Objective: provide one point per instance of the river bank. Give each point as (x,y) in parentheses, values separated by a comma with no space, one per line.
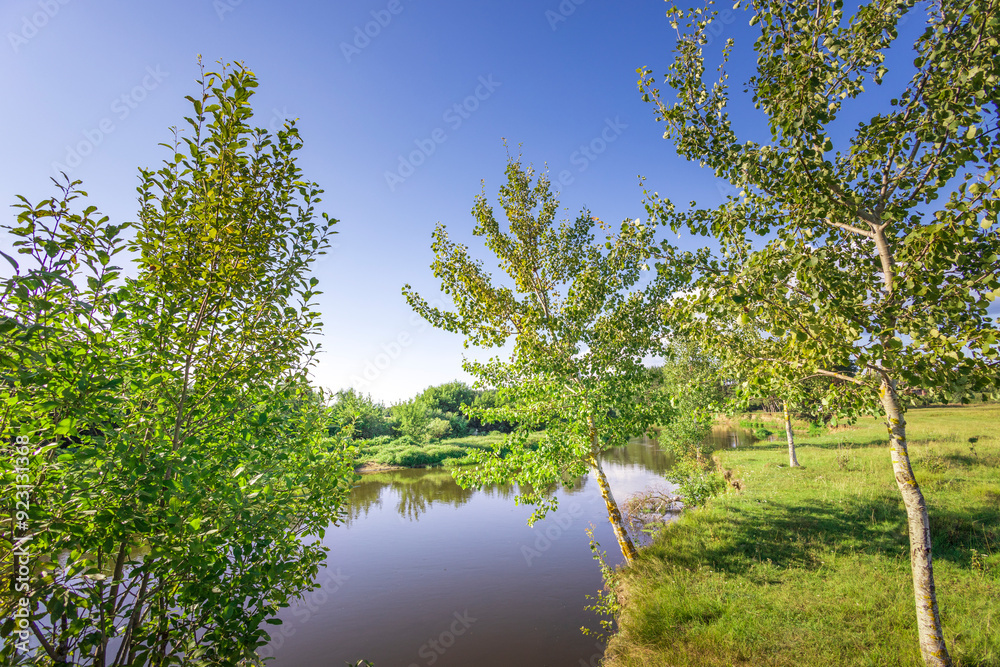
(810,566)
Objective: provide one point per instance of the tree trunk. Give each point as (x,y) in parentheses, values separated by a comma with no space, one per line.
(790,436)
(932,645)
(614,514)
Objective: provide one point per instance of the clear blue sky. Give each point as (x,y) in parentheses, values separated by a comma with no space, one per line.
(112,76)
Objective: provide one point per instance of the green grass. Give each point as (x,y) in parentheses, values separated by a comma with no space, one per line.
(810,566)
(408,453)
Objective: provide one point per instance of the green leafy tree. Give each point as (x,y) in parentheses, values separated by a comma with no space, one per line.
(412,418)
(450,402)
(357,416)
(449,397)
(741,357)
(578,326)
(174,450)
(438,429)
(694,384)
(875,248)
(483,404)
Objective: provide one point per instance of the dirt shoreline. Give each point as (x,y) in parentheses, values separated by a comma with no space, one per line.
(370,466)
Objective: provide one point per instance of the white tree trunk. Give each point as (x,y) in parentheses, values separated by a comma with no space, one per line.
(790,436)
(614,514)
(932,645)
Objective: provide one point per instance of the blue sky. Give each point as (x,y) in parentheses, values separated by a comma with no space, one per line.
(94,85)
(112,76)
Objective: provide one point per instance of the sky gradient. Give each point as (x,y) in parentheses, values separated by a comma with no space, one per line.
(403,106)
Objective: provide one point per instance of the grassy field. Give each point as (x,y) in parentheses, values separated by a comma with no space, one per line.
(810,566)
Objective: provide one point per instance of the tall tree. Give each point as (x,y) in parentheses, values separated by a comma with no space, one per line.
(579,329)
(171,443)
(881,252)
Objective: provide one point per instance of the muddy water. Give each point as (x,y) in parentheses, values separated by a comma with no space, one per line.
(426,573)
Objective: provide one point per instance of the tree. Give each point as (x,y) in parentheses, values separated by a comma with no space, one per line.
(579,330)
(694,383)
(411,419)
(848,256)
(170,442)
(357,416)
(448,402)
(448,397)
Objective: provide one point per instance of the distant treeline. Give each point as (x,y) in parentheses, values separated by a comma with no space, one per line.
(434,414)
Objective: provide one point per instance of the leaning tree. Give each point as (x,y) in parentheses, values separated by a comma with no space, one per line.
(873,247)
(578,325)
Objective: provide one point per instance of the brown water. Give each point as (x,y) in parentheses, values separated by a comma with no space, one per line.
(427,573)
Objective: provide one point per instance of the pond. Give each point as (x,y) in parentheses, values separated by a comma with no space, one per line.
(427,573)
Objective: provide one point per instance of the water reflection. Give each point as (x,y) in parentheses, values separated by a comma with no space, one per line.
(419,554)
(724,437)
(414,492)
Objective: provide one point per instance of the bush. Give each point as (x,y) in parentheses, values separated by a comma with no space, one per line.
(407,452)
(438,428)
(695,483)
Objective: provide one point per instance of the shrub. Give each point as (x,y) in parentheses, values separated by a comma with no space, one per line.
(438,428)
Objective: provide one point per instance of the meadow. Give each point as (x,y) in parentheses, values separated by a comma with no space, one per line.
(810,566)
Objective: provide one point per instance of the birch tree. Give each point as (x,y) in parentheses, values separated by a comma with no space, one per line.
(579,326)
(876,247)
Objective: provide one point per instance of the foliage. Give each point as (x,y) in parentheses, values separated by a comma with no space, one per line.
(411,419)
(438,429)
(802,568)
(845,257)
(449,397)
(578,330)
(861,267)
(693,382)
(485,404)
(357,416)
(696,481)
(177,474)
(606,601)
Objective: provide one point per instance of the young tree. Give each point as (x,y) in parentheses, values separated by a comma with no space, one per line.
(579,329)
(694,383)
(358,416)
(411,419)
(881,253)
(172,443)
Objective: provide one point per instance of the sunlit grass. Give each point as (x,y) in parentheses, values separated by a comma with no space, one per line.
(810,566)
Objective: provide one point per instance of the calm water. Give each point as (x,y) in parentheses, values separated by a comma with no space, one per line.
(426,573)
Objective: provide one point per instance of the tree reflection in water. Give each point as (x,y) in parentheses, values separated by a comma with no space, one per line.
(418,489)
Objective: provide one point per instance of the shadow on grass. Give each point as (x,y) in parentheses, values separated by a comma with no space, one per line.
(854,443)
(800,535)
